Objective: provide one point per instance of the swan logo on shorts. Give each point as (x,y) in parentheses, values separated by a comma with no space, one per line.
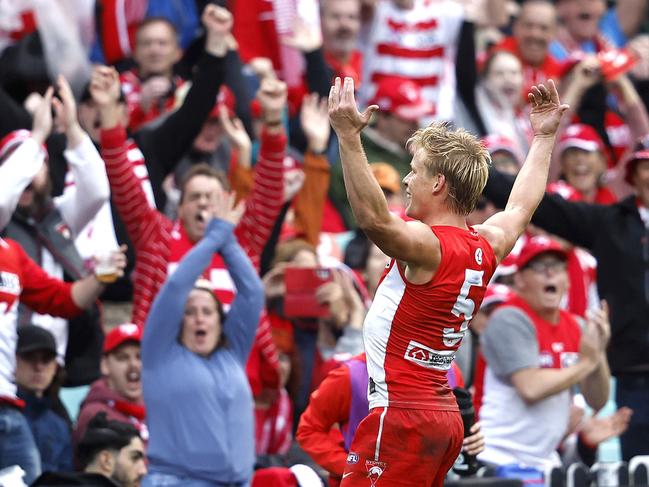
(427,357)
(374,470)
(478,255)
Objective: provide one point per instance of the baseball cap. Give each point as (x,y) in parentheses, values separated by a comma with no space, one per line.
(581,136)
(496,143)
(536,246)
(402,97)
(32,338)
(122,333)
(387,176)
(496,294)
(640,152)
(225,97)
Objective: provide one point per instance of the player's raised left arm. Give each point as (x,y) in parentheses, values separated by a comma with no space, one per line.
(529,187)
(412,242)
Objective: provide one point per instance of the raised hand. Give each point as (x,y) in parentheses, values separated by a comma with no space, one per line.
(218,24)
(66,113)
(315,122)
(104,86)
(304,37)
(344,116)
(546,110)
(42,122)
(272,97)
(599,318)
(237,135)
(262,67)
(152,89)
(226,208)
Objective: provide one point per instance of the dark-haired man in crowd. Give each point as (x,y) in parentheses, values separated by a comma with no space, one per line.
(111,453)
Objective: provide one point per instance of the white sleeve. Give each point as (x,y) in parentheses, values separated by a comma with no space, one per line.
(16,173)
(80,204)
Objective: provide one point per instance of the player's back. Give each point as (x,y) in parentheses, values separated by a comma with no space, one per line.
(412,331)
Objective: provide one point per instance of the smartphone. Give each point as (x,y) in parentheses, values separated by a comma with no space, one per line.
(301,285)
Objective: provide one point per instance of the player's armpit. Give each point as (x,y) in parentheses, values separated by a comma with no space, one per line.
(502,240)
(412,242)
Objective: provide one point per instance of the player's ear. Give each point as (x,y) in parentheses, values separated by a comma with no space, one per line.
(439,181)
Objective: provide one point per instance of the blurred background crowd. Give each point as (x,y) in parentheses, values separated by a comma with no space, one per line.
(124,125)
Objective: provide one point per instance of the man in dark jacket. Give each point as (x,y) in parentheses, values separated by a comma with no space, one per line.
(36,370)
(618,236)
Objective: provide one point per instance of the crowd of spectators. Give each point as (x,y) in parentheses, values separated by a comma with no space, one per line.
(175,234)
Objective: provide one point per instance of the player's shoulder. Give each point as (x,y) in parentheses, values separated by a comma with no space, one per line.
(495,236)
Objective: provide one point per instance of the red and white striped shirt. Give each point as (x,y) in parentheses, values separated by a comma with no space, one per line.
(419,44)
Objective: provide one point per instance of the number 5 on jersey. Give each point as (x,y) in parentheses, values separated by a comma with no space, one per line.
(463,306)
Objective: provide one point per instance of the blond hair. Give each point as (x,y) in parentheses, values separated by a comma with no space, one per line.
(460,157)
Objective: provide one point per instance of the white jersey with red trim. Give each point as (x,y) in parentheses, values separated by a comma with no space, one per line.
(419,44)
(412,331)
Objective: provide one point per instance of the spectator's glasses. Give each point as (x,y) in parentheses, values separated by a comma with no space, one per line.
(543,266)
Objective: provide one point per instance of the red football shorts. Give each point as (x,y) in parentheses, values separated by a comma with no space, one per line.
(396,447)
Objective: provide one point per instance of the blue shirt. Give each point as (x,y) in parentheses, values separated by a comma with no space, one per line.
(200,409)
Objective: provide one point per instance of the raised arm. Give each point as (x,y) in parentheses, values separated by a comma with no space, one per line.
(129,197)
(504,228)
(265,202)
(412,242)
(166,314)
(174,136)
(18,170)
(310,201)
(91,191)
(241,323)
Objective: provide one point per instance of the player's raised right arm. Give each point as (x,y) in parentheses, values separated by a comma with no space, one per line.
(412,242)
(529,187)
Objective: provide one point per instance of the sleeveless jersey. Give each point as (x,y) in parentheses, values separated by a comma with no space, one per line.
(412,331)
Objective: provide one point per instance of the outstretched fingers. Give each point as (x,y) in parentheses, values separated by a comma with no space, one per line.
(554,94)
(334,95)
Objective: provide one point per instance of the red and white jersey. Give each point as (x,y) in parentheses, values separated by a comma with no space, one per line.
(22,280)
(419,44)
(412,331)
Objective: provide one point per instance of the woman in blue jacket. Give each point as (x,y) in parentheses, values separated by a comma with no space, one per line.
(199,404)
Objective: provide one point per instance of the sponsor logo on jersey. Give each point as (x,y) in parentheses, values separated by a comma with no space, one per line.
(372,386)
(352,458)
(568,359)
(427,357)
(546,361)
(9,283)
(374,470)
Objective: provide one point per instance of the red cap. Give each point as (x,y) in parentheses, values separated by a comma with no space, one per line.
(536,246)
(494,143)
(274,477)
(581,136)
(225,97)
(123,333)
(640,152)
(496,294)
(12,140)
(402,97)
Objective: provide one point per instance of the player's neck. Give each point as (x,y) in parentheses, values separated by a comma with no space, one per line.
(446,218)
